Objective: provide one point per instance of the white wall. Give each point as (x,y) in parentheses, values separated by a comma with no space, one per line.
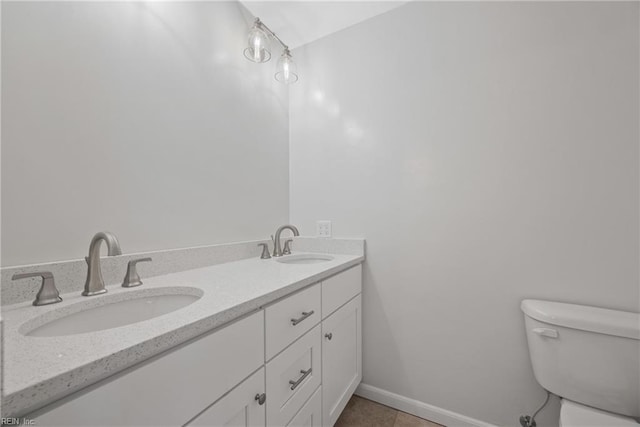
(488,152)
(140,118)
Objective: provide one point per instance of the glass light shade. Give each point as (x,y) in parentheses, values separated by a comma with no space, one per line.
(258,48)
(286,71)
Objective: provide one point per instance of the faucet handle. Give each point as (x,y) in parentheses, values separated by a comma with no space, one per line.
(265,251)
(287,247)
(48,293)
(131,278)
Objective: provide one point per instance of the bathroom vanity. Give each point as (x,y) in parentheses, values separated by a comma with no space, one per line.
(266,343)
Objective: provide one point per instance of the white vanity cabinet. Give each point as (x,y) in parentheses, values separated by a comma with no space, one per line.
(332,350)
(295,362)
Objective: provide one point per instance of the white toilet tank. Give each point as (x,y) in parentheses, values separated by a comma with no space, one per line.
(586,354)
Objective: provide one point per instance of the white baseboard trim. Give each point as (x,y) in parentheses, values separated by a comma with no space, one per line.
(417,408)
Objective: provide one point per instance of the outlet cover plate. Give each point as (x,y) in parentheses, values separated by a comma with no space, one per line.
(323,228)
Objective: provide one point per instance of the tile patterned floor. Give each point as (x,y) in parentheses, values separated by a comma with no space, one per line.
(365,413)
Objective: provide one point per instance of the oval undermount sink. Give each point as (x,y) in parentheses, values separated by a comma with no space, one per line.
(305,259)
(111,311)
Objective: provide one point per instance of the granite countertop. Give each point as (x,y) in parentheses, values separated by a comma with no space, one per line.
(40,370)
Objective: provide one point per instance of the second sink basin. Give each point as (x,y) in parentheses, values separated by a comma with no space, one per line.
(111,311)
(305,259)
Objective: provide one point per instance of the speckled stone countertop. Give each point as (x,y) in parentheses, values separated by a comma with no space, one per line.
(40,370)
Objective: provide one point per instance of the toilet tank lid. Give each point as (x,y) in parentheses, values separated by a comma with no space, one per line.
(593,319)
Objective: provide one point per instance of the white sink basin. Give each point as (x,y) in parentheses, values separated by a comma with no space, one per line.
(304,259)
(111,311)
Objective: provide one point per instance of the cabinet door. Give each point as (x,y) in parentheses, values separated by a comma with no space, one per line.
(341,359)
(238,408)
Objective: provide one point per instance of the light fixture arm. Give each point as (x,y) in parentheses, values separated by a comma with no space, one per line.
(258,23)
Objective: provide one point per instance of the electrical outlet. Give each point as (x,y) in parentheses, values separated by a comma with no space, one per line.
(323,228)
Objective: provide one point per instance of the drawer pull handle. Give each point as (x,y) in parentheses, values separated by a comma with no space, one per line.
(305,314)
(295,384)
(261,398)
(328,336)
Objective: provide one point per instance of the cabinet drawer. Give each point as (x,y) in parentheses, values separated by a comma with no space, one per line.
(339,289)
(171,388)
(292,377)
(311,413)
(290,318)
(238,408)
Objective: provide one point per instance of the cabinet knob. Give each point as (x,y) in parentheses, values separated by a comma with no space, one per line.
(328,336)
(261,398)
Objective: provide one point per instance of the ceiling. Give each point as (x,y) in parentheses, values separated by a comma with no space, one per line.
(303,21)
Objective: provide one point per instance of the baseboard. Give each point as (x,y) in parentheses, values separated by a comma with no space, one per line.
(417,408)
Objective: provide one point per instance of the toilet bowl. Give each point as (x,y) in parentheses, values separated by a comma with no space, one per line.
(588,356)
(576,415)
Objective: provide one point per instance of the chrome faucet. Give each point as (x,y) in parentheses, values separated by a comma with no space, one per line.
(277,250)
(95,283)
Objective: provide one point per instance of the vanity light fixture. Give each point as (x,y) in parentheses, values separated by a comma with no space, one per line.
(258,51)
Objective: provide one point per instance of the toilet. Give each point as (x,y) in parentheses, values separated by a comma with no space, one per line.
(588,356)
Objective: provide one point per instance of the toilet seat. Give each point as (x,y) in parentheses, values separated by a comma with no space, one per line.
(576,415)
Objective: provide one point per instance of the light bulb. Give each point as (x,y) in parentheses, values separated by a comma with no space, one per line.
(286,69)
(258,42)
